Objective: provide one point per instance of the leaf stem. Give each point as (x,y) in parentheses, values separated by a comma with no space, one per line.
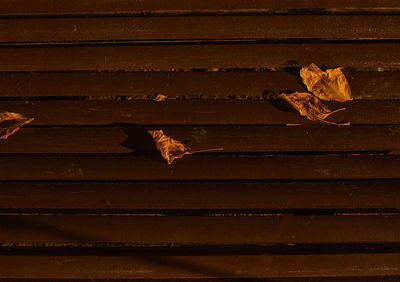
(203,151)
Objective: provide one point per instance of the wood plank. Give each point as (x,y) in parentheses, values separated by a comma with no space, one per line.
(192,266)
(89,230)
(205,85)
(54,7)
(193,112)
(117,140)
(195,27)
(201,195)
(199,167)
(365,55)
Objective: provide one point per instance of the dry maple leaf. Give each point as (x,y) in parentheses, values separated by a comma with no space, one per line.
(309,106)
(10,123)
(172,149)
(160,97)
(326,85)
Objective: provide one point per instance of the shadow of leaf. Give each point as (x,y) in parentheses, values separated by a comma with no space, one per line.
(140,142)
(138,139)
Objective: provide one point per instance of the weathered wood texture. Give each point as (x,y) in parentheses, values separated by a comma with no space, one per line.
(81,230)
(116,140)
(201,167)
(205,85)
(195,28)
(192,266)
(206,196)
(54,7)
(368,55)
(194,112)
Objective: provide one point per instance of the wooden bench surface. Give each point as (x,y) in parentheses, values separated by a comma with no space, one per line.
(84,194)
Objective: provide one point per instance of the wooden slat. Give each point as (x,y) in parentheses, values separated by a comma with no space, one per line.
(54,7)
(204,56)
(200,167)
(195,112)
(192,266)
(79,230)
(195,27)
(201,195)
(207,85)
(232,139)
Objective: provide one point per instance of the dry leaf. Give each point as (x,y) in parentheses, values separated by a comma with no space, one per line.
(328,85)
(309,106)
(160,97)
(10,123)
(172,149)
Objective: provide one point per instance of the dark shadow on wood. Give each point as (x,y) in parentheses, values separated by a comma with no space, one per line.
(138,139)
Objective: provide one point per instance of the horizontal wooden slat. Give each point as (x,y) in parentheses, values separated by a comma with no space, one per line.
(54,7)
(79,230)
(192,266)
(201,195)
(217,84)
(200,167)
(195,112)
(204,56)
(195,27)
(232,139)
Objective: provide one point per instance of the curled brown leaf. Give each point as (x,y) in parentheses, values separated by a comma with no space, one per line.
(326,85)
(172,149)
(160,97)
(308,105)
(11,122)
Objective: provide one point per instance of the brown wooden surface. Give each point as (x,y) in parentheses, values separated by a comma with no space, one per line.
(189,195)
(194,112)
(369,55)
(195,27)
(205,85)
(192,266)
(200,166)
(54,7)
(85,195)
(116,140)
(82,230)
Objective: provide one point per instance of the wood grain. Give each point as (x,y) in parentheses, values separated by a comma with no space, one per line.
(193,112)
(195,266)
(54,7)
(195,27)
(81,230)
(194,195)
(199,167)
(199,56)
(204,85)
(116,140)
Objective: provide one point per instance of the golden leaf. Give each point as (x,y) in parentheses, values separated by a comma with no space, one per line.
(172,149)
(160,97)
(10,123)
(328,85)
(309,106)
